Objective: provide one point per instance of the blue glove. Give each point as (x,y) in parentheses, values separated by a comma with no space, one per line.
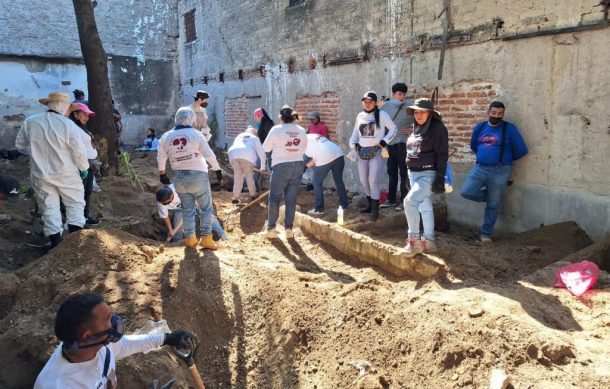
(84,174)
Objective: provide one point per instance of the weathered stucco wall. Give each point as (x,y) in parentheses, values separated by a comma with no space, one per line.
(139,37)
(554,85)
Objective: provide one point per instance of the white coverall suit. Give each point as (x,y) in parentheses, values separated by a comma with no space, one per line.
(57,153)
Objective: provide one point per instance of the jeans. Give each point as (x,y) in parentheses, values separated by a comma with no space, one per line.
(397,163)
(179,236)
(194,186)
(320,173)
(370,175)
(486,184)
(285,180)
(419,200)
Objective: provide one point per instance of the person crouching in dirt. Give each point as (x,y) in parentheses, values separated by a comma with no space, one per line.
(169,200)
(368,138)
(287,143)
(80,117)
(427,155)
(58,164)
(92,341)
(186,149)
(9,191)
(243,153)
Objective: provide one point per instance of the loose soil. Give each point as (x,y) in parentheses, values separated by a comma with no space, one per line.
(297,313)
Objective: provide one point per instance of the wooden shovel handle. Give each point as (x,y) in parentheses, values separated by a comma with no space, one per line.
(196,377)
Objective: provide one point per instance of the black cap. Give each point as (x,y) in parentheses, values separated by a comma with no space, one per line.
(9,186)
(201,94)
(420,104)
(163,194)
(370,95)
(78,92)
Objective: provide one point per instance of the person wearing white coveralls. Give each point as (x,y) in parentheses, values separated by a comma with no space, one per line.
(57,155)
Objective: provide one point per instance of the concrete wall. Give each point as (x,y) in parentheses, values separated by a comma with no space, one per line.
(554,86)
(40,49)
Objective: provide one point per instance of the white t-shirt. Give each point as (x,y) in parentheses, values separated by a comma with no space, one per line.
(322,150)
(90,151)
(186,149)
(58,373)
(175,204)
(287,142)
(367,134)
(247,146)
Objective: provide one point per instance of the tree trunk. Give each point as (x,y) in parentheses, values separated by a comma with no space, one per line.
(100,96)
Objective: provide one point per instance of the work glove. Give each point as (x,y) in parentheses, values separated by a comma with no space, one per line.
(84,174)
(164,179)
(219,175)
(438,186)
(357,147)
(382,143)
(178,338)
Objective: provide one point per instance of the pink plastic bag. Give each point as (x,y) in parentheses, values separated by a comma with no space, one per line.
(577,277)
(383,196)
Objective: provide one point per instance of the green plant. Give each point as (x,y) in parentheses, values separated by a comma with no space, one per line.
(126,168)
(213,124)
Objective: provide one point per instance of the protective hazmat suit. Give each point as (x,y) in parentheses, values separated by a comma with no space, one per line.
(57,154)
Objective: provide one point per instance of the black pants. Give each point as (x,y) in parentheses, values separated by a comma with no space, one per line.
(88,184)
(397,163)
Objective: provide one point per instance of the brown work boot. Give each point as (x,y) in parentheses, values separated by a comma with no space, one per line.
(190,241)
(207,242)
(413,247)
(429,246)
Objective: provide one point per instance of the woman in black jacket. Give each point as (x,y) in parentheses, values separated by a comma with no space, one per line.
(427,155)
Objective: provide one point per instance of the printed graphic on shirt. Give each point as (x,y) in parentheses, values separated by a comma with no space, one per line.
(488,141)
(414,146)
(367,129)
(180,151)
(321,139)
(291,143)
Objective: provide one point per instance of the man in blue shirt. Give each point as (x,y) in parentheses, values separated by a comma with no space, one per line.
(497,144)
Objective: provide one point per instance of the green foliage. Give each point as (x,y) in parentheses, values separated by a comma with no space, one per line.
(126,168)
(213,124)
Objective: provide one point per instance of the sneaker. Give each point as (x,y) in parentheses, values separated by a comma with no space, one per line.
(485,239)
(429,246)
(400,207)
(271,233)
(414,246)
(386,204)
(288,233)
(92,222)
(313,212)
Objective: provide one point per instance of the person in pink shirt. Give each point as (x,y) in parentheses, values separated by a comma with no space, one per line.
(316,126)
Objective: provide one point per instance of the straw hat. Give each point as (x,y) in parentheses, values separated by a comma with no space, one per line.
(61,97)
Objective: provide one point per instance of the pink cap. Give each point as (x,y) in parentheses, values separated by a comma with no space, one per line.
(258,112)
(84,108)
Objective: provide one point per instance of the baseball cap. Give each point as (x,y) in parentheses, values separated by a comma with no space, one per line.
(313,115)
(201,94)
(370,95)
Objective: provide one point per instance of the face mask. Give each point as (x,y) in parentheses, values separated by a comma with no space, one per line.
(494,121)
(204,105)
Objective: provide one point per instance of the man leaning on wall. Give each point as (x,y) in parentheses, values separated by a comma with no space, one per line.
(496,143)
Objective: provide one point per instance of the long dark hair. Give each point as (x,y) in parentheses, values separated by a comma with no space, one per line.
(79,124)
(152,133)
(265,126)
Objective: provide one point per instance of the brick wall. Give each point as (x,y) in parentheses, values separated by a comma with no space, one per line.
(463,105)
(327,104)
(236,115)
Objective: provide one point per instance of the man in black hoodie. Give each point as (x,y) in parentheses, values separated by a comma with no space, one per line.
(427,156)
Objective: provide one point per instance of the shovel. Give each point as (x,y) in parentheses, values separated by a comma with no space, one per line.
(188,356)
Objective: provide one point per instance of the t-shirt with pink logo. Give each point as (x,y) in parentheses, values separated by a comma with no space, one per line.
(186,149)
(286,142)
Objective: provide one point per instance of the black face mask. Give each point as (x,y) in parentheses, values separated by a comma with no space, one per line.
(204,105)
(494,121)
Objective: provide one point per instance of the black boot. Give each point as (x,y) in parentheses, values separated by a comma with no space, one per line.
(73,228)
(367,207)
(374,210)
(55,239)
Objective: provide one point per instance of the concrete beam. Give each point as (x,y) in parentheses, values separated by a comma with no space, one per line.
(365,249)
